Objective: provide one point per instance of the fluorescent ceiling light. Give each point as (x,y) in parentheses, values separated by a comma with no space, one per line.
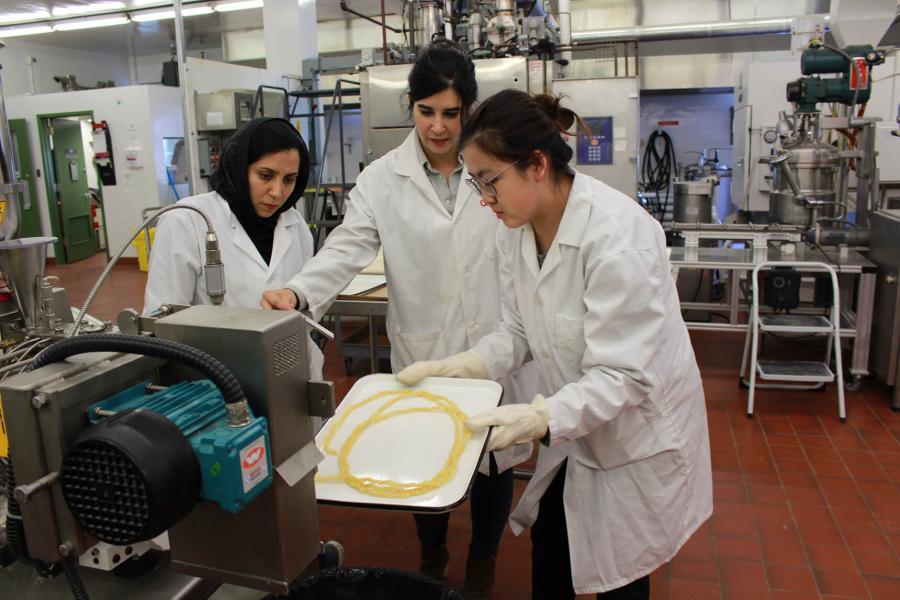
(153,16)
(19,31)
(197,10)
(86,9)
(24,16)
(150,2)
(244,5)
(90,23)
(162,15)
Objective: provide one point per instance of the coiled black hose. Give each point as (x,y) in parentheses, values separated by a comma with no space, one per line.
(147,346)
(657,168)
(70,571)
(15,531)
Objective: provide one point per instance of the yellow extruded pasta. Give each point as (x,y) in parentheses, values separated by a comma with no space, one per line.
(387,488)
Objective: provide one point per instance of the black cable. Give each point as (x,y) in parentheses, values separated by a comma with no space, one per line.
(658,168)
(699,286)
(825,254)
(70,571)
(177,352)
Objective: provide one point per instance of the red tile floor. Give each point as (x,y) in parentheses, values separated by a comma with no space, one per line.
(805,506)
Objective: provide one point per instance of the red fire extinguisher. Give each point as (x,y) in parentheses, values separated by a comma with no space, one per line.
(95,216)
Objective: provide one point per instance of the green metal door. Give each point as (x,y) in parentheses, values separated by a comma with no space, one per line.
(30,219)
(73,201)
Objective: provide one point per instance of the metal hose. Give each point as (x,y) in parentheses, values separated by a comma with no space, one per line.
(106,271)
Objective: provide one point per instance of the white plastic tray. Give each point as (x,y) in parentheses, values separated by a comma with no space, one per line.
(407,448)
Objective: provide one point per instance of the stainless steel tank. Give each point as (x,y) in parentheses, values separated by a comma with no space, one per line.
(429,22)
(814,166)
(694,201)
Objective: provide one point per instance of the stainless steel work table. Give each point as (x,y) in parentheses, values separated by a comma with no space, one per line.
(373,307)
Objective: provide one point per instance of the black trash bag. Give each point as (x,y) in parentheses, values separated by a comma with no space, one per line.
(370,584)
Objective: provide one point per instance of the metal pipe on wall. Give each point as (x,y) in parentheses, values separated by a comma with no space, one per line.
(648,33)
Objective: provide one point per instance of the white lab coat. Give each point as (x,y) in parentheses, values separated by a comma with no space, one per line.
(179,251)
(626,406)
(441,269)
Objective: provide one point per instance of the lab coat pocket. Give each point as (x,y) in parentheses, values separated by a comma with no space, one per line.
(413,347)
(637,433)
(569,343)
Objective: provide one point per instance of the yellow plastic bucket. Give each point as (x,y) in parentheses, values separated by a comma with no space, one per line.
(140,244)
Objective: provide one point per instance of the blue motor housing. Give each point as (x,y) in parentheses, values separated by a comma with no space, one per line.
(235,462)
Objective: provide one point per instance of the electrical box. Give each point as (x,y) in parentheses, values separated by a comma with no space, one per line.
(610,153)
(227,110)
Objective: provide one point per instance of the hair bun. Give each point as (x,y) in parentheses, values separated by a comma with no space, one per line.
(561,116)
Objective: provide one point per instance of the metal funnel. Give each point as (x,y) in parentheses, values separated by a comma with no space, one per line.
(22,261)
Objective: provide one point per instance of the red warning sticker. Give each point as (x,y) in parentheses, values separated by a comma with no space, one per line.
(254,466)
(862,81)
(253,458)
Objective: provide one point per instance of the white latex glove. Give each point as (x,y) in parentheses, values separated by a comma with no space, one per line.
(513,423)
(466,365)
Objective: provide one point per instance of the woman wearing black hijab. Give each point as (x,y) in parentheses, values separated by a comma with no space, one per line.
(263,238)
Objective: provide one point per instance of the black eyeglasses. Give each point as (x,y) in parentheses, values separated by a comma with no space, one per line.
(486,186)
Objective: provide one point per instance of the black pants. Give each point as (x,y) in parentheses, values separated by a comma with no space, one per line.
(491,500)
(551,568)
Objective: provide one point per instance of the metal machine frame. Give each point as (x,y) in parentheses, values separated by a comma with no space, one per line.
(46,410)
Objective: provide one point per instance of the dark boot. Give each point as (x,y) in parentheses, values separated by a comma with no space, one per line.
(435,562)
(332,555)
(479,577)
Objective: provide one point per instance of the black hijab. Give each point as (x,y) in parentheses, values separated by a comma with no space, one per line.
(248,144)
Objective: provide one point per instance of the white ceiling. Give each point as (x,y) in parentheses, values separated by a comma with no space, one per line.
(201,32)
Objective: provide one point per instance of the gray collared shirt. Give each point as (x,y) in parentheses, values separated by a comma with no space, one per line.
(446,189)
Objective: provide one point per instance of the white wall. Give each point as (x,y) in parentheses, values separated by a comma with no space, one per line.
(137,116)
(355,34)
(88,67)
(148,67)
(332,36)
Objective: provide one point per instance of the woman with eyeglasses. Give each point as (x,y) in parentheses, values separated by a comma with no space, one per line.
(623,476)
(442,279)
